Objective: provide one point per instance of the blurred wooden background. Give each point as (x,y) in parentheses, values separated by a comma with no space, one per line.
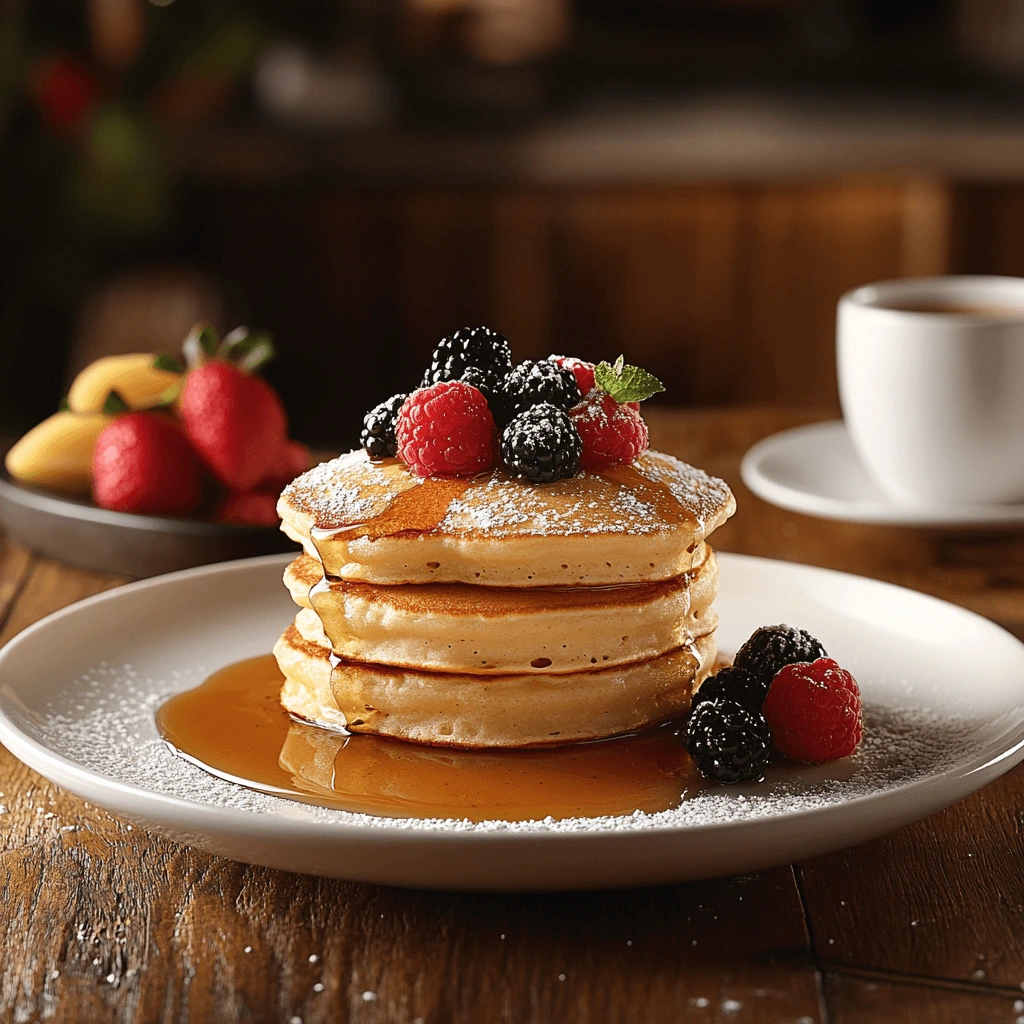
(727,291)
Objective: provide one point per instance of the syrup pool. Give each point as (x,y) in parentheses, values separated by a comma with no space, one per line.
(233,726)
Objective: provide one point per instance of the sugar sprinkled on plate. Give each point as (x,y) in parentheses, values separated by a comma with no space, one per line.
(116,737)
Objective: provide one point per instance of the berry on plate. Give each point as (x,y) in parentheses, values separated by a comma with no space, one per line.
(292,459)
(447,430)
(378,436)
(611,433)
(143,463)
(235,420)
(732,683)
(248,508)
(541,445)
(728,742)
(814,710)
(771,648)
(469,346)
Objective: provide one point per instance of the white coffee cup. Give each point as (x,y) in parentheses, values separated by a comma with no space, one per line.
(934,400)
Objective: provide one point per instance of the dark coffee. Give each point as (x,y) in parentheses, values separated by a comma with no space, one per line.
(980,310)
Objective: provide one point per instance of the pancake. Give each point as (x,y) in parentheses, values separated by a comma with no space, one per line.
(487,630)
(376,522)
(451,709)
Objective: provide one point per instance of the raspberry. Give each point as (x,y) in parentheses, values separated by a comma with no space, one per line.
(771,648)
(732,683)
(581,370)
(541,445)
(378,436)
(532,383)
(728,742)
(612,433)
(447,430)
(469,346)
(814,711)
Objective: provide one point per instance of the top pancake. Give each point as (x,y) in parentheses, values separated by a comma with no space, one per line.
(379,523)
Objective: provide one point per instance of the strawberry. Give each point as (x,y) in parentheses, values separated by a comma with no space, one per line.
(235,420)
(143,463)
(293,459)
(248,508)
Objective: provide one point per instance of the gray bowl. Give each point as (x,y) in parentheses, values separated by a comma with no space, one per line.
(76,531)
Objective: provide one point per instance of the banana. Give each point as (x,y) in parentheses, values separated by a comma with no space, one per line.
(141,379)
(57,453)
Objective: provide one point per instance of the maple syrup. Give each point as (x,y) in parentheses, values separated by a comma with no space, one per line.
(233,726)
(418,509)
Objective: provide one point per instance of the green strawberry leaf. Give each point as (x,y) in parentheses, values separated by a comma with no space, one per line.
(259,350)
(626,383)
(200,345)
(208,339)
(248,350)
(169,363)
(115,404)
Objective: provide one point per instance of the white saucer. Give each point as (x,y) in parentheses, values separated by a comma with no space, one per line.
(78,691)
(815,470)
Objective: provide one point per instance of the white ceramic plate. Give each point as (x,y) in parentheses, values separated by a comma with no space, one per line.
(815,470)
(943,690)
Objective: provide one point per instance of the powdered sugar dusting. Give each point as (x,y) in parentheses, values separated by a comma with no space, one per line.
(104,722)
(349,489)
(353,489)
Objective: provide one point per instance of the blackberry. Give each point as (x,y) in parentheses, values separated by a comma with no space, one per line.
(541,444)
(532,383)
(469,346)
(771,648)
(728,742)
(378,436)
(735,684)
(488,384)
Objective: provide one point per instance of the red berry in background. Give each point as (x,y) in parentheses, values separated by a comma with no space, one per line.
(143,463)
(447,430)
(292,459)
(236,424)
(248,508)
(612,434)
(65,89)
(815,712)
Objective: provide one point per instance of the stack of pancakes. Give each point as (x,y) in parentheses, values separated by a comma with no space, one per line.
(497,613)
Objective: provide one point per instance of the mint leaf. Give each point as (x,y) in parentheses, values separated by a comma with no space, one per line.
(115,404)
(626,383)
(169,363)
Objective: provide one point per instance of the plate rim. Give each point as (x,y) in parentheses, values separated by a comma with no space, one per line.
(40,499)
(879,513)
(44,760)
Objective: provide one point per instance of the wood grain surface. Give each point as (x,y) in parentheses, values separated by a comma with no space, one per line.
(101,922)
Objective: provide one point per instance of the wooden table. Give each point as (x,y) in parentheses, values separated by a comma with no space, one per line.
(99,922)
